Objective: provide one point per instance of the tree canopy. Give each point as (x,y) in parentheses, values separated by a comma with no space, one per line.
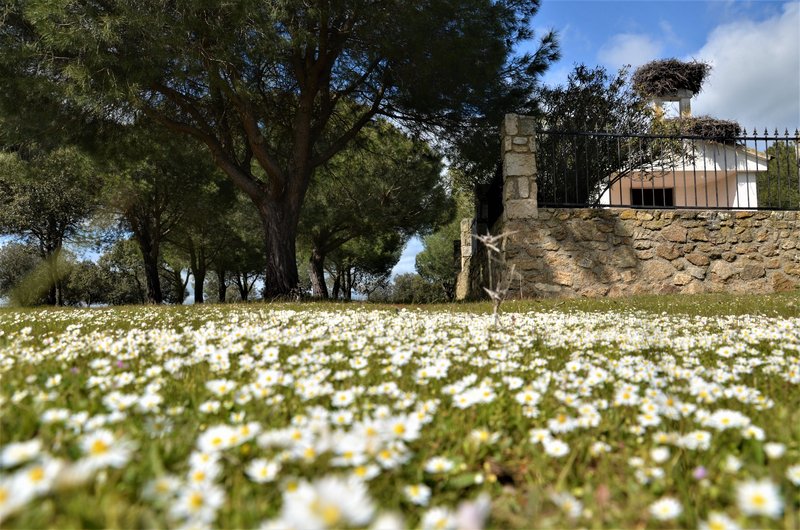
(273,90)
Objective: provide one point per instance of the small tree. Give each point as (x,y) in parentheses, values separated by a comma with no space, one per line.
(779,186)
(436,263)
(45,197)
(385,184)
(575,167)
(17,261)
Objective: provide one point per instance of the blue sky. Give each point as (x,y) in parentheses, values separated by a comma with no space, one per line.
(753,47)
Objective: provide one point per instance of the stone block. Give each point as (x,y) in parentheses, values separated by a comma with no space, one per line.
(550,245)
(781,282)
(694,288)
(595,291)
(562,278)
(523,187)
(657,270)
(519,164)
(792,269)
(698,234)
(674,233)
(696,272)
(520,209)
(668,252)
(696,258)
(622,230)
(511,124)
(682,278)
(627,214)
(547,288)
(624,258)
(751,271)
(645,254)
(722,270)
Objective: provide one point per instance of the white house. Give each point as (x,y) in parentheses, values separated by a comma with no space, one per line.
(706,174)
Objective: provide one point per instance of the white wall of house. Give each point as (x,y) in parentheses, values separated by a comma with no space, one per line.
(712,176)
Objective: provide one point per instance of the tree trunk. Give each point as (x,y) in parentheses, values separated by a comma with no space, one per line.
(318,286)
(149,251)
(221,288)
(337,284)
(348,284)
(279,221)
(198,262)
(199,282)
(180,289)
(242,285)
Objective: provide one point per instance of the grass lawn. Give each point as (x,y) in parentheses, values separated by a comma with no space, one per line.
(652,412)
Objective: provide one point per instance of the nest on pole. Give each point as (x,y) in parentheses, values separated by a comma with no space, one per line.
(703,126)
(666,76)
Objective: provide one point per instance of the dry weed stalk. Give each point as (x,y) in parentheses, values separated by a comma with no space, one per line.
(498,288)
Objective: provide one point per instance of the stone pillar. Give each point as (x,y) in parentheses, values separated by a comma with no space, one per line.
(518,140)
(464,277)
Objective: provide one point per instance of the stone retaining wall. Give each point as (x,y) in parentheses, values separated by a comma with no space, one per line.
(617,252)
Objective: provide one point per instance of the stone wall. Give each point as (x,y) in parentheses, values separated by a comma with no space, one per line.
(617,252)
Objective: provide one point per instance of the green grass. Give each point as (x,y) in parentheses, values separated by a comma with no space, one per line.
(667,346)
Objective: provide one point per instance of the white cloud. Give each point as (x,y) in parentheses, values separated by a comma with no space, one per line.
(629,48)
(408,259)
(755,78)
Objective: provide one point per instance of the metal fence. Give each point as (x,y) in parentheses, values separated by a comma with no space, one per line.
(601,169)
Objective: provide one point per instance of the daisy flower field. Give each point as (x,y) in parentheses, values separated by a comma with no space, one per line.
(355,416)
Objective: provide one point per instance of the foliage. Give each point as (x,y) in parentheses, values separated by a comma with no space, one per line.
(45,197)
(410,288)
(17,260)
(384,184)
(364,264)
(779,186)
(153,181)
(436,262)
(88,284)
(664,77)
(123,261)
(573,164)
(266,87)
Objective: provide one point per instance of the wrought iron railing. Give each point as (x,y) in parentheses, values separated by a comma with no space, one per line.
(602,169)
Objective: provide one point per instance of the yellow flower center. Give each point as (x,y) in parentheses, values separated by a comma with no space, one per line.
(399,429)
(329,513)
(759,500)
(98,447)
(3,495)
(196,501)
(36,474)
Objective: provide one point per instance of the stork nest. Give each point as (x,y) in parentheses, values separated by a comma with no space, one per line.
(704,127)
(666,76)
